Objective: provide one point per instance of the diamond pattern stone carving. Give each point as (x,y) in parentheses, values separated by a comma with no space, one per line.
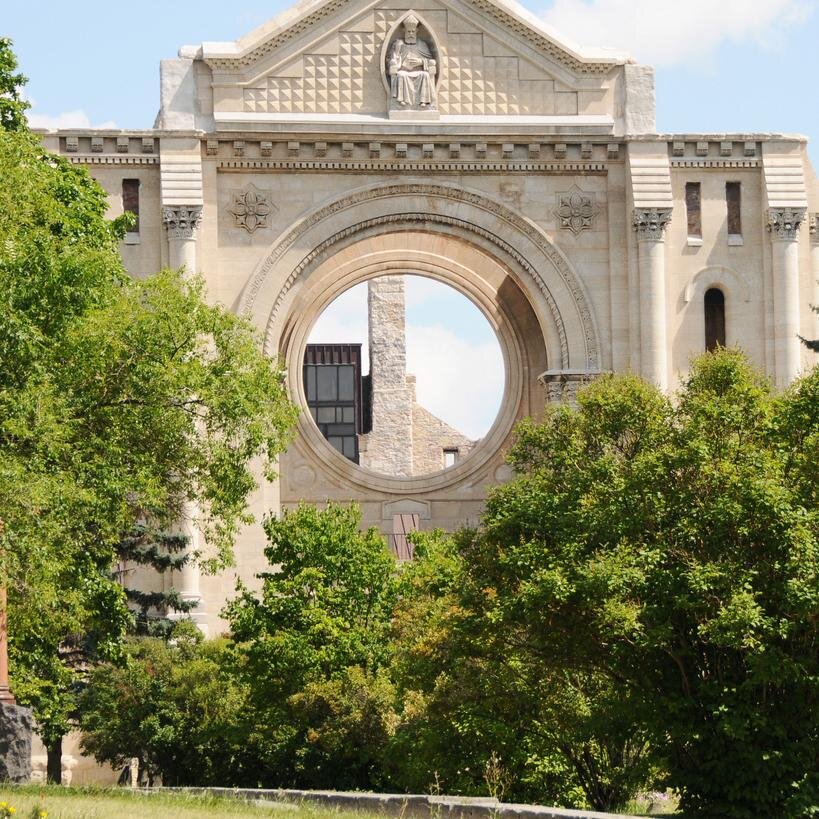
(350,82)
(250,209)
(576,210)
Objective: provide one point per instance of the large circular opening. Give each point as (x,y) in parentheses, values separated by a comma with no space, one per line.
(403,375)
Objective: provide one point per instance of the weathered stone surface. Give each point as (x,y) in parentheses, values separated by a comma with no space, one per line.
(15,743)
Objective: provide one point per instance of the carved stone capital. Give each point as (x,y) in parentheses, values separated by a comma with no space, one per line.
(562,386)
(814,228)
(181,220)
(784,223)
(650,223)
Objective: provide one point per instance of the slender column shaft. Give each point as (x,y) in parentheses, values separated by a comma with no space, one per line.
(784,226)
(182,222)
(814,269)
(650,225)
(187,579)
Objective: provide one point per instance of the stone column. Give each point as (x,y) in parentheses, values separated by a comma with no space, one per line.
(650,225)
(784,224)
(181,222)
(186,580)
(814,271)
(389,444)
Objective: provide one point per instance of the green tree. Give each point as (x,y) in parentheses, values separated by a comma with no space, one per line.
(120,400)
(176,707)
(315,643)
(478,717)
(671,548)
(12,105)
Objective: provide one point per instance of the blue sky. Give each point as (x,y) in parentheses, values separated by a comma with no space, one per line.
(738,65)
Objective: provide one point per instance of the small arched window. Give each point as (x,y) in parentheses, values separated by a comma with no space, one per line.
(714,319)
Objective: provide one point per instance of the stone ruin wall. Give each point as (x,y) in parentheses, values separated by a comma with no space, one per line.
(406,439)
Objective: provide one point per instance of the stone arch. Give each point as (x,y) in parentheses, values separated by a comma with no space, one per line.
(557,294)
(734,285)
(371,257)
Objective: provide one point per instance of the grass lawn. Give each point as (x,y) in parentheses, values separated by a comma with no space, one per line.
(86,803)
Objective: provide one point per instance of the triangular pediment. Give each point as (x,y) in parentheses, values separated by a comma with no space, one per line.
(493,59)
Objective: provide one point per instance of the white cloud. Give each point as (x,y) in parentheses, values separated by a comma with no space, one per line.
(67,119)
(464,386)
(670,32)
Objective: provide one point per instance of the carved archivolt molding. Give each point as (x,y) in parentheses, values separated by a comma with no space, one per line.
(650,223)
(576,210)
(181,220)
(784,223)
(523,226)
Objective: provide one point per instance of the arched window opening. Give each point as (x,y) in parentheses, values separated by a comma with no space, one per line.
(714,319)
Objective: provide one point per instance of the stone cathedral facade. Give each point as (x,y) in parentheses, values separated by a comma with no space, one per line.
(459,140)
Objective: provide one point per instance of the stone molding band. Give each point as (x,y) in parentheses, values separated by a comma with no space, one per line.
(181,221)
(784,223)
(650,223)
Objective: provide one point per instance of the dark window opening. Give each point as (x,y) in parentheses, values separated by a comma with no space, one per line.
(693,208)
(130,200)
(399,544)
(714,319)
(332,384)
(450,456)
(733,199)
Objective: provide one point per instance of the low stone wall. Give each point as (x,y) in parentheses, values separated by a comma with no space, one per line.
(421,806)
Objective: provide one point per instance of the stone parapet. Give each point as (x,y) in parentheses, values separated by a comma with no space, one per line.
(400,804)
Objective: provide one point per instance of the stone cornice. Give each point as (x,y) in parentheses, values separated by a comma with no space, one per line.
(181,221)
(650,223)
(578,64)
(784,223)
(392,167)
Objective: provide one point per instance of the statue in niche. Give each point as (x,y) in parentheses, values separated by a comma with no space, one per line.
(412,67)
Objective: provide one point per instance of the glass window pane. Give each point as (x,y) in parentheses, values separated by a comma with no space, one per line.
(310,378)
(349,446)
(336,443)
(346,383)
(348,415)
(313,412)
(327,383)
(326,415)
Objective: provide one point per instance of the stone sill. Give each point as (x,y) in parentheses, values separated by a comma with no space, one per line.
(694,241)
(735,240)
(131,239)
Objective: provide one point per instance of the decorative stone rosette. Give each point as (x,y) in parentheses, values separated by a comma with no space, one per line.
(250,209)
(576,210)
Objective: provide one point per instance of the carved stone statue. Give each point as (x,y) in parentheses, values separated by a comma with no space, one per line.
(412,68)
